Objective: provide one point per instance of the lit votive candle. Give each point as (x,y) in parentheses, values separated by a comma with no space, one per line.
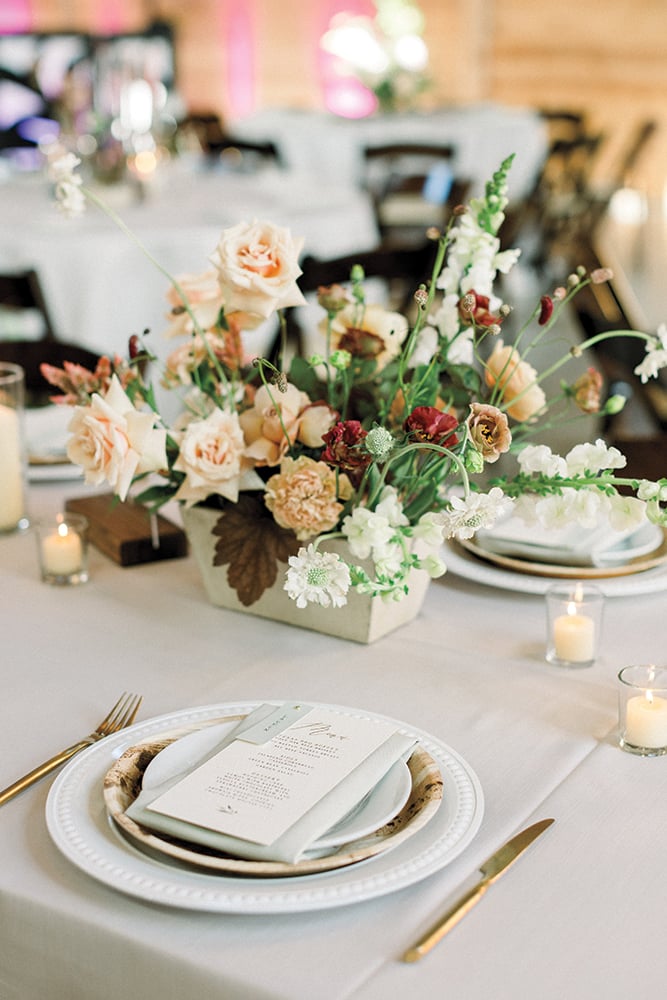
(63,550)
(643,710)
(573,624)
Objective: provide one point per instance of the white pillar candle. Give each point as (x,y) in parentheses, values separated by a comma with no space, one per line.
(62,552)
(646,721)
(11,470)
(574,636)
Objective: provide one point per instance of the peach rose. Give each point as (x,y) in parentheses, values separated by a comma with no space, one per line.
(303,496)
(517,380)
(314,422)
(204,297)
(489,431)
(273,414)
(258,264)
(211,454)
(182,362)
(113,442)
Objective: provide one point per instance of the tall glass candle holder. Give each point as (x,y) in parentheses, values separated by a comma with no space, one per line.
(12,454)
(574,623)
(642,710)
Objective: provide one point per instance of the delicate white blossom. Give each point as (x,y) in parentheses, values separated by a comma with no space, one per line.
(366,531)
(317,577)
(656,355)
(478,510)
(67,184)
(593,458)
(539,459)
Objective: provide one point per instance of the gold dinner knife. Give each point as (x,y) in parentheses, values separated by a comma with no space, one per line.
(492,869)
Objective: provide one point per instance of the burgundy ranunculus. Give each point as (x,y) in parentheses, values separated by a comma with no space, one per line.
(474,308)
(342,449)
(428,424)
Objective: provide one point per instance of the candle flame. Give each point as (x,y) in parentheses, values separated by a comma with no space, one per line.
(62,530)
(572,608)
(649,697)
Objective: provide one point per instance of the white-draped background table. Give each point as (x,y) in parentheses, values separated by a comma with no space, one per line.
(580,916)
(100,288)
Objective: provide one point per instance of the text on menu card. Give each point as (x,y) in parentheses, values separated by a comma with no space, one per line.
(257,791)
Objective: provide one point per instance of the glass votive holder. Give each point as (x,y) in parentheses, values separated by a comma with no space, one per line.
(574,623)
(642,710)
(12,454)
(63,549)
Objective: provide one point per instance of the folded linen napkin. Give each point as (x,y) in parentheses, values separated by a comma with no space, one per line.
(571,545)
(292,844)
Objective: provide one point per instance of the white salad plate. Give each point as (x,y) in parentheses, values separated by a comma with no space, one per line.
(376,808)
(81,829)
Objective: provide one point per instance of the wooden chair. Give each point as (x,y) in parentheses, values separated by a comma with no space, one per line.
(396,273)
(21,295)
(413,187)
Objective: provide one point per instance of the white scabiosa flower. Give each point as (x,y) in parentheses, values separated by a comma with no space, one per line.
(478,510)
(317,578)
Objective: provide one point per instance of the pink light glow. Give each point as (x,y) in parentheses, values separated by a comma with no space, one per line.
(15,16)
(109,18)
(343,96)
(237,33)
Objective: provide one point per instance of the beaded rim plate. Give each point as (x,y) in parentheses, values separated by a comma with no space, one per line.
(80,828)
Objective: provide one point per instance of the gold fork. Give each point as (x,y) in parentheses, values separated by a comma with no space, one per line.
(121,715)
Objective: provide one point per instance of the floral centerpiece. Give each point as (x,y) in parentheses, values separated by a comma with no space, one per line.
(386,439)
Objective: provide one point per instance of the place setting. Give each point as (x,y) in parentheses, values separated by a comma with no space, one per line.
(264,807)
(516,555)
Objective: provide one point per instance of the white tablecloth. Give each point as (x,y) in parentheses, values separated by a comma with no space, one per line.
(101,288)
(331,148)
(580,916)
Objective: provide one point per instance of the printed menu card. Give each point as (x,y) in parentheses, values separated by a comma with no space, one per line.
(261,788)
(276,769)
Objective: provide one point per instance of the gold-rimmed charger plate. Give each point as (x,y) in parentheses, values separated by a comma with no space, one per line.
(636,564)
(122,785)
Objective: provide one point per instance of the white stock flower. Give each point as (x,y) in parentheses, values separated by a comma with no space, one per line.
(626,512)
(428,530)
(433,565)
(583,507)
(366,532)
(113,442)
(317,578)
(539,458)
(425,348)
(390,506)
(477,510)
(593,458)
(67,184)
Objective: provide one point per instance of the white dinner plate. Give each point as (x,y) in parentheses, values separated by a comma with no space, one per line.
(378,807)
(79,826)
(470,567)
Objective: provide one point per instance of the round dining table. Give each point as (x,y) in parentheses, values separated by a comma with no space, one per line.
(99,286)
(580,915)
